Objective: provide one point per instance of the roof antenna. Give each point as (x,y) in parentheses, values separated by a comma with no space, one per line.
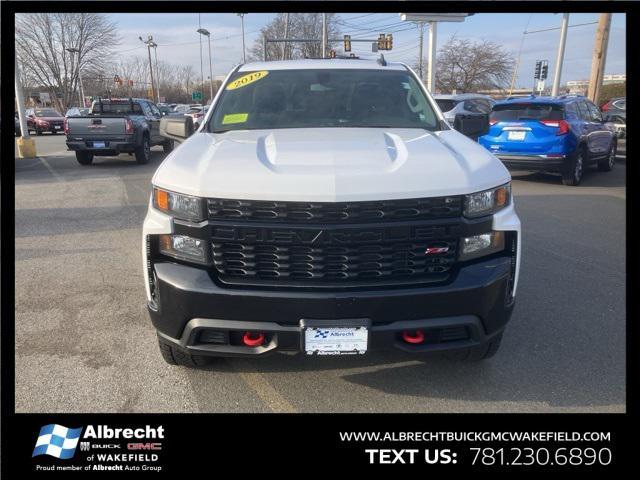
(382,61)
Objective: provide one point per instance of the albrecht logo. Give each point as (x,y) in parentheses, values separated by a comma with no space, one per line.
(57,441)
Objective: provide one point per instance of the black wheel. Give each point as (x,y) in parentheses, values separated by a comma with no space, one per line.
(476,354)
(574,169)
(606,164)
(177,356)
(84,158)
(143,152)
(167,146)
(38,132)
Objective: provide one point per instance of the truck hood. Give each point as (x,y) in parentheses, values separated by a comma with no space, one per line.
(330,165)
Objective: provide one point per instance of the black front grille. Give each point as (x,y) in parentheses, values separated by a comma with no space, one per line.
(339,212)
(327,244)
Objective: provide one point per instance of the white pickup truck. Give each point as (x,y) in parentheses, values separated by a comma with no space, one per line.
(326,207)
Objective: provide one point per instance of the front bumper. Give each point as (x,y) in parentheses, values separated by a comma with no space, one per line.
(464,313)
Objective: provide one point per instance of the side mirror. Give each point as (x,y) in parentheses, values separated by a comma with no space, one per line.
(473,126)
(176,128)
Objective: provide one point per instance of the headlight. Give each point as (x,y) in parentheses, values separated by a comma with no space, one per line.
(481,245)
(183,247)
(487,202)
(181,206)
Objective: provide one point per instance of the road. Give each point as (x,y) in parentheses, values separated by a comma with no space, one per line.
(84,341)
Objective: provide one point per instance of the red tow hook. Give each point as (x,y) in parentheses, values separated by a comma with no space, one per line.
(253,339)
(413,336)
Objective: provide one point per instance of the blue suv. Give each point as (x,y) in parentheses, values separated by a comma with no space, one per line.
(553,134)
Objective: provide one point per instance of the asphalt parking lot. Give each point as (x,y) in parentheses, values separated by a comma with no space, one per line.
(84,341)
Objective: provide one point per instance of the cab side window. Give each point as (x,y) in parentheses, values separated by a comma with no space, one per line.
(583,111)
(146,109)
(595,112)
(154,110)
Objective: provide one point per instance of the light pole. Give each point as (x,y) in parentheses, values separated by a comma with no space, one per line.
(244,57)
(80,89)
(201,72)
(148,43)
(26,145)
(205,32)
(563,41)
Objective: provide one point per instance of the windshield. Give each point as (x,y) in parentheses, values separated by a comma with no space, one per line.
(322,98)
(46,113)
(512,112)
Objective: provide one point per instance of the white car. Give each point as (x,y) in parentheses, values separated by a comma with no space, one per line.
(326,207)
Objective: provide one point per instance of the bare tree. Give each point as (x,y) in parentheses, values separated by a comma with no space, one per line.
(301,25)
(42,40)
(467,66)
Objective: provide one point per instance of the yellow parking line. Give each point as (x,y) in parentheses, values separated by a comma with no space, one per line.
(272,399)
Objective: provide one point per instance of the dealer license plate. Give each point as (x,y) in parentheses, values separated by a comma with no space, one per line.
(99,145)
(516,135)
(335,340)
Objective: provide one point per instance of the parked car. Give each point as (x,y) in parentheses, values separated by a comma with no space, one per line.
(197,113)
(326,207)
(77,112)
(465,103)
(42,120)
(562,134)
(114,126)
(615,107)
(181,108)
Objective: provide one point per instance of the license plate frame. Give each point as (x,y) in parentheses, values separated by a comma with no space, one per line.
(335,337)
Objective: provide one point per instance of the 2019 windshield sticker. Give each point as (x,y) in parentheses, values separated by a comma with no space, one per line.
(235,118)
(247,79)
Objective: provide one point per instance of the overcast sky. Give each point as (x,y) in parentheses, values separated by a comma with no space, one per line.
(178,42)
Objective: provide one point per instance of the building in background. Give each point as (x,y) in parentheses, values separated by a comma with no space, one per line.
(580,87)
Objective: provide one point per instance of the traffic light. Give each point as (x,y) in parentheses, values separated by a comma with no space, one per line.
(130,82)
(381,41)
(332,53)
(388,44)
(347,43)
(544,71)
(538,68)
(117,80)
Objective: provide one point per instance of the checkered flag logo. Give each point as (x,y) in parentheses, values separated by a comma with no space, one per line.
(321,334)
(57,441)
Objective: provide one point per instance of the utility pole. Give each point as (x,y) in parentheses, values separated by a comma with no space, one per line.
(324,35)
(155,53)
(421,27)
(148,43)
(201,71)
(599,56)
(264,48)
(26,145)
(244,57)
(286,36)
(560,58)
(205,32)
(431,79)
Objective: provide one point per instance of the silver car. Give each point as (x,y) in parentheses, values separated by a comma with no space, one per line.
(465,103)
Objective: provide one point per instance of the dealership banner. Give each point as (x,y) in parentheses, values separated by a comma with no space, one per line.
(170,445)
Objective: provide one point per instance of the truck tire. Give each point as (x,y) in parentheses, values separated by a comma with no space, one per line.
(84,158)
(167,146)
(177,356)
(38,132)
(143,152)
(606,164)
(574,169)
(479,353)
